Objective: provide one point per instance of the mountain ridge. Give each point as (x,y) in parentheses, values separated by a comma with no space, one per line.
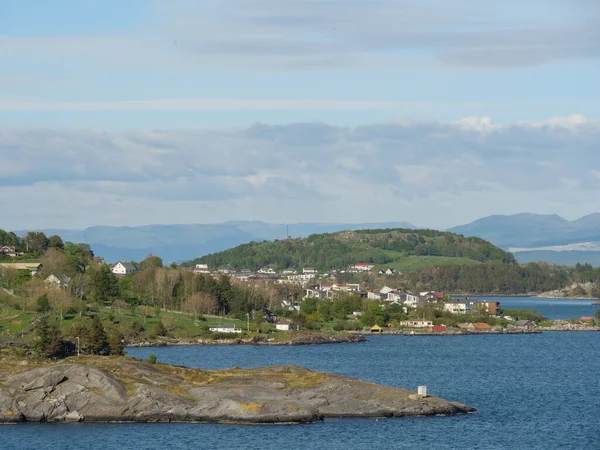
(180,242)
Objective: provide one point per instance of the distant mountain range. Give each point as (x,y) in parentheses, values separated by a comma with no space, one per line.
(537,237)
(530,237)
(184,242)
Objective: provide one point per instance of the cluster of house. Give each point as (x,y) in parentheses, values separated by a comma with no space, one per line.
(288,276)
(385,294)
(479,327)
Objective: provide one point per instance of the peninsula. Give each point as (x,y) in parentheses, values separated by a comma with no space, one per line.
(121,389)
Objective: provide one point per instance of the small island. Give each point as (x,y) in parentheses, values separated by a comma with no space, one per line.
(121,389)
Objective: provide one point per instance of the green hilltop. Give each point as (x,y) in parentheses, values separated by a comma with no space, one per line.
(399,248)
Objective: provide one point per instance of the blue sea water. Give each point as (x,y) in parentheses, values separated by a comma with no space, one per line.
(551,308)
(536,391)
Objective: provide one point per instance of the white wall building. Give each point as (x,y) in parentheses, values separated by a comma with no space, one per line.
(123,268)
(283,326)
(225,328)
(416,323)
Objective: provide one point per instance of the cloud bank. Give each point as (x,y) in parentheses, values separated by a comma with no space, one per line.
(429,173)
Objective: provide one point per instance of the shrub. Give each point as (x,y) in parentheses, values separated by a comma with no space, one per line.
(152,358)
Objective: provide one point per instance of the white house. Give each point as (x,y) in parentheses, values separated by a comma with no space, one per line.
(283,326)
(396,297)
(201,268)
(415,301)
(267,270)
(459,306)
(309,271)
(362,267)
(57,282)
(123,268)
(416,323)
(375,295)
(225,328)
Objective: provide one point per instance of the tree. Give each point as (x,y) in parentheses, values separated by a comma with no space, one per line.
(56,262)
(42,304)
(151,262)
(199,303)
(48,338)
(105,285)
(55,242)
(115,342)
(97,338)
(36,242)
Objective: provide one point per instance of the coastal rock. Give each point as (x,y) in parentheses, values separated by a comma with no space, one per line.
(109,389)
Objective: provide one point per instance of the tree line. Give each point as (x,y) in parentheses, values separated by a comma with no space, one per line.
(338,250)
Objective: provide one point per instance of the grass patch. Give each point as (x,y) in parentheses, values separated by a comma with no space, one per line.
(411,263)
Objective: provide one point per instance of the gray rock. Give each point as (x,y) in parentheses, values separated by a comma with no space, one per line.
(139,392)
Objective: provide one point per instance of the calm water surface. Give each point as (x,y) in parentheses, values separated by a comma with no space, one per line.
(533,392)
(551,308)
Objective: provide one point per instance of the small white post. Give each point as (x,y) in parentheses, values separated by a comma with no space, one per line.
(422,391)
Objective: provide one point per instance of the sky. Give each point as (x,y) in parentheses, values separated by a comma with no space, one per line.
(432,112)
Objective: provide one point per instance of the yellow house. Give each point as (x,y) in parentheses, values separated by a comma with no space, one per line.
(376,329)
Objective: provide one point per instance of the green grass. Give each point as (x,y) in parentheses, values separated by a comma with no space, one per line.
(410,263)
(13,321)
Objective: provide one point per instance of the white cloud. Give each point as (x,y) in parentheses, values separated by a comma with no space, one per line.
(309,35)
(436,174)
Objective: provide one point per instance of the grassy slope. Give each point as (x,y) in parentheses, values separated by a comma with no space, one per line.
(409,263)
(401,249)
(13,321)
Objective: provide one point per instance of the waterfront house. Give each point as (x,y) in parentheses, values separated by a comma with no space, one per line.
(437,328)
(376,329)
(225,328)
(416,323)
(588,319)
(525,324)
(283,326)
(480,326)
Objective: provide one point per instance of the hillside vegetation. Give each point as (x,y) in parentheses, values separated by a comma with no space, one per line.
(341,249)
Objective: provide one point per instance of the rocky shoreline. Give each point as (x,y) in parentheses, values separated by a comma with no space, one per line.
(120,389)
(305,339)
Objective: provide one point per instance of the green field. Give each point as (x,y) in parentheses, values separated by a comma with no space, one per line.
(410,263)
(13,321)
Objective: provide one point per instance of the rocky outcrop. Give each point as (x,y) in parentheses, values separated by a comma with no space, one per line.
(565,325)
(124,390)
(313,338)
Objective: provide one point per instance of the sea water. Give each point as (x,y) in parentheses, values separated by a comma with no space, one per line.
(536,391)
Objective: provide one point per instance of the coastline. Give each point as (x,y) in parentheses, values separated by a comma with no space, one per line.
(107,389)
(307,339)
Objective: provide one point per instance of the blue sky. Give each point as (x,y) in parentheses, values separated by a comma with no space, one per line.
(88,78)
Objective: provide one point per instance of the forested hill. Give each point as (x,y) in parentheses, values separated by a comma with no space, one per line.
(338,250)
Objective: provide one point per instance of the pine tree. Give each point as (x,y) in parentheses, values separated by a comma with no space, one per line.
(48,337)
(97,339)
(115,342)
